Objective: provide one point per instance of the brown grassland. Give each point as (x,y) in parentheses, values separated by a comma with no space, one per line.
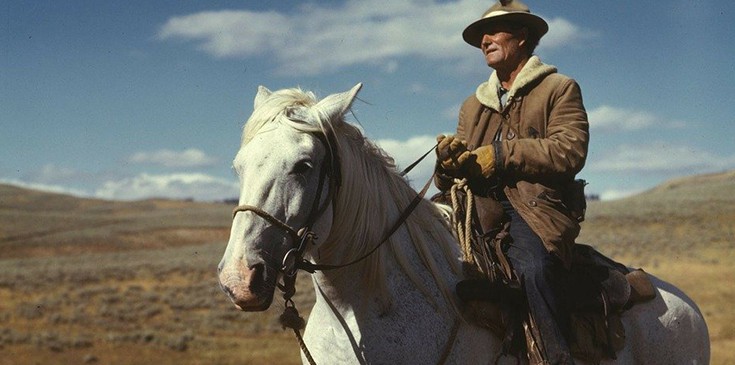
(92,281)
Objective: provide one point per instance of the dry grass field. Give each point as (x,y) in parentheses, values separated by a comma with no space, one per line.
(87,281)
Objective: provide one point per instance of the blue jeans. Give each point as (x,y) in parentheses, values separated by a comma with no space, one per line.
(540,274)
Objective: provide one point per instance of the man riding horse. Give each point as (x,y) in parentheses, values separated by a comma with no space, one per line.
(521,139)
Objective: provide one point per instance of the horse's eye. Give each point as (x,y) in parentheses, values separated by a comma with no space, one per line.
(302,167)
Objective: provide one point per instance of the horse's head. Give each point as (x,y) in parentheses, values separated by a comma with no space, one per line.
(288,170)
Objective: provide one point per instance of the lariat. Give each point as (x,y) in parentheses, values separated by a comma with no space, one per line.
(477,254)
(463,225)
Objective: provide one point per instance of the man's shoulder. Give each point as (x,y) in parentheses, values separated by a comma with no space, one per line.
(553,83)
(557,78)
(471,100)
(471,103)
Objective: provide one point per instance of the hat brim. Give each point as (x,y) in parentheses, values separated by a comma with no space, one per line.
(474,32)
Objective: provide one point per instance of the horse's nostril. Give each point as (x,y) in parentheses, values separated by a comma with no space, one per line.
(227,291)
(258,273)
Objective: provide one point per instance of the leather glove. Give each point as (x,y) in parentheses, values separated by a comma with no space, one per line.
(451,154)
(480,162)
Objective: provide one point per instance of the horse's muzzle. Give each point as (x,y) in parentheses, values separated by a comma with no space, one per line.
(250,289)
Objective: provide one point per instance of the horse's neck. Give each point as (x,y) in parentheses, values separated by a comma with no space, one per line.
(346,289)
(349,321)
(401,273)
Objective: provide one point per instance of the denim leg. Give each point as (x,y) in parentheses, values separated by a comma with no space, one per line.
(540,272)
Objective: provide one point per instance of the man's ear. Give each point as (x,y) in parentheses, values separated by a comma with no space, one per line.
(524,33)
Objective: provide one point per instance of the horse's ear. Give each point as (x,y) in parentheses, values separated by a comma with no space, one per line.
(336,105)
(263,93)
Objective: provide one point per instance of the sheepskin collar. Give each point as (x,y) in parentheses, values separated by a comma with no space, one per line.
(533,70)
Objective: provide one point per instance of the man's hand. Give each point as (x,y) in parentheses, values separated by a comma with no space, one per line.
(480,162)
(451,154)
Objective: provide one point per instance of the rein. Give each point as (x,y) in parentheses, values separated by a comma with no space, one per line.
(311,267)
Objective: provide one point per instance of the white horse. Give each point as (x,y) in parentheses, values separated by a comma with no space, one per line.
(300,164)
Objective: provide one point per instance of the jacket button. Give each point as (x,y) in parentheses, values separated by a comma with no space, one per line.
(511,135)
(532,203)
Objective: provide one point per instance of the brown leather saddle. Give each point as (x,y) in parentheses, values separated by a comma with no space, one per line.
(598,288)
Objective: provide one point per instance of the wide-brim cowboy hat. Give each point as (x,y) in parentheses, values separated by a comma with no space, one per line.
(507,11)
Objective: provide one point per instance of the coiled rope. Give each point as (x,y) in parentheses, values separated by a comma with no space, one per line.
(463,225)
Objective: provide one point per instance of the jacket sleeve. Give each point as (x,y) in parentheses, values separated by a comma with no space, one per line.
(562,152)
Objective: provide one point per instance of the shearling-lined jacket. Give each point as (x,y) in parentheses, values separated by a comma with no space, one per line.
(540,137)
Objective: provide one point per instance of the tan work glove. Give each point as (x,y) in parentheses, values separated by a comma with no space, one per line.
(480,162)
(451,154)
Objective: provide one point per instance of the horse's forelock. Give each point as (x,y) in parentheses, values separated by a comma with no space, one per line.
(275,108)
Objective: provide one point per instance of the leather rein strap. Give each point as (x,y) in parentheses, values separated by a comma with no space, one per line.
(311,267)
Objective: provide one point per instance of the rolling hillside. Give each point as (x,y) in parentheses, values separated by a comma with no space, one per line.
(692,217)
(34,223)
(93,281)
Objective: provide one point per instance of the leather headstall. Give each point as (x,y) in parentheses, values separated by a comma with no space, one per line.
(330,167)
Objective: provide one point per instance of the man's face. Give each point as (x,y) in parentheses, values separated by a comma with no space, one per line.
(501,46)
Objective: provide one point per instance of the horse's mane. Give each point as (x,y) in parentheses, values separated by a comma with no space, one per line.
(370,184)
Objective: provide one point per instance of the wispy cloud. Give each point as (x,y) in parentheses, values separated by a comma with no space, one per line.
(121,185)
(563,33)
(187,158)
(176,186)
(316,39)
(613,194)
(607,118)
(406,152)
(662,157)
(51,174)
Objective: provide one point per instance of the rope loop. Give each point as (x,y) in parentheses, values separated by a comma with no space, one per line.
(463,225)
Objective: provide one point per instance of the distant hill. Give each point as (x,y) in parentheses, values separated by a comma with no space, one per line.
(695,212)
(718,186)
(35,223)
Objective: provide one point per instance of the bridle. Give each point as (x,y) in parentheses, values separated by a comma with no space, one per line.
(294,260)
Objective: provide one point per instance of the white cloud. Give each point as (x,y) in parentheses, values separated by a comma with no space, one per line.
(187,158)
(175,186)
(563,32)
(612,194)
(316,39)
(609,118)
(662,157)
(52,174)
(405,152)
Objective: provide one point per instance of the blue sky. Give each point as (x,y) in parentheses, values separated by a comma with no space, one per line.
(136,99)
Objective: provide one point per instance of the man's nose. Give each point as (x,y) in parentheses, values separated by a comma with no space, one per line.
(486,40)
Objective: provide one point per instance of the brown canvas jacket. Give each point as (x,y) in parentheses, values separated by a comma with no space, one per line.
(544,142)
